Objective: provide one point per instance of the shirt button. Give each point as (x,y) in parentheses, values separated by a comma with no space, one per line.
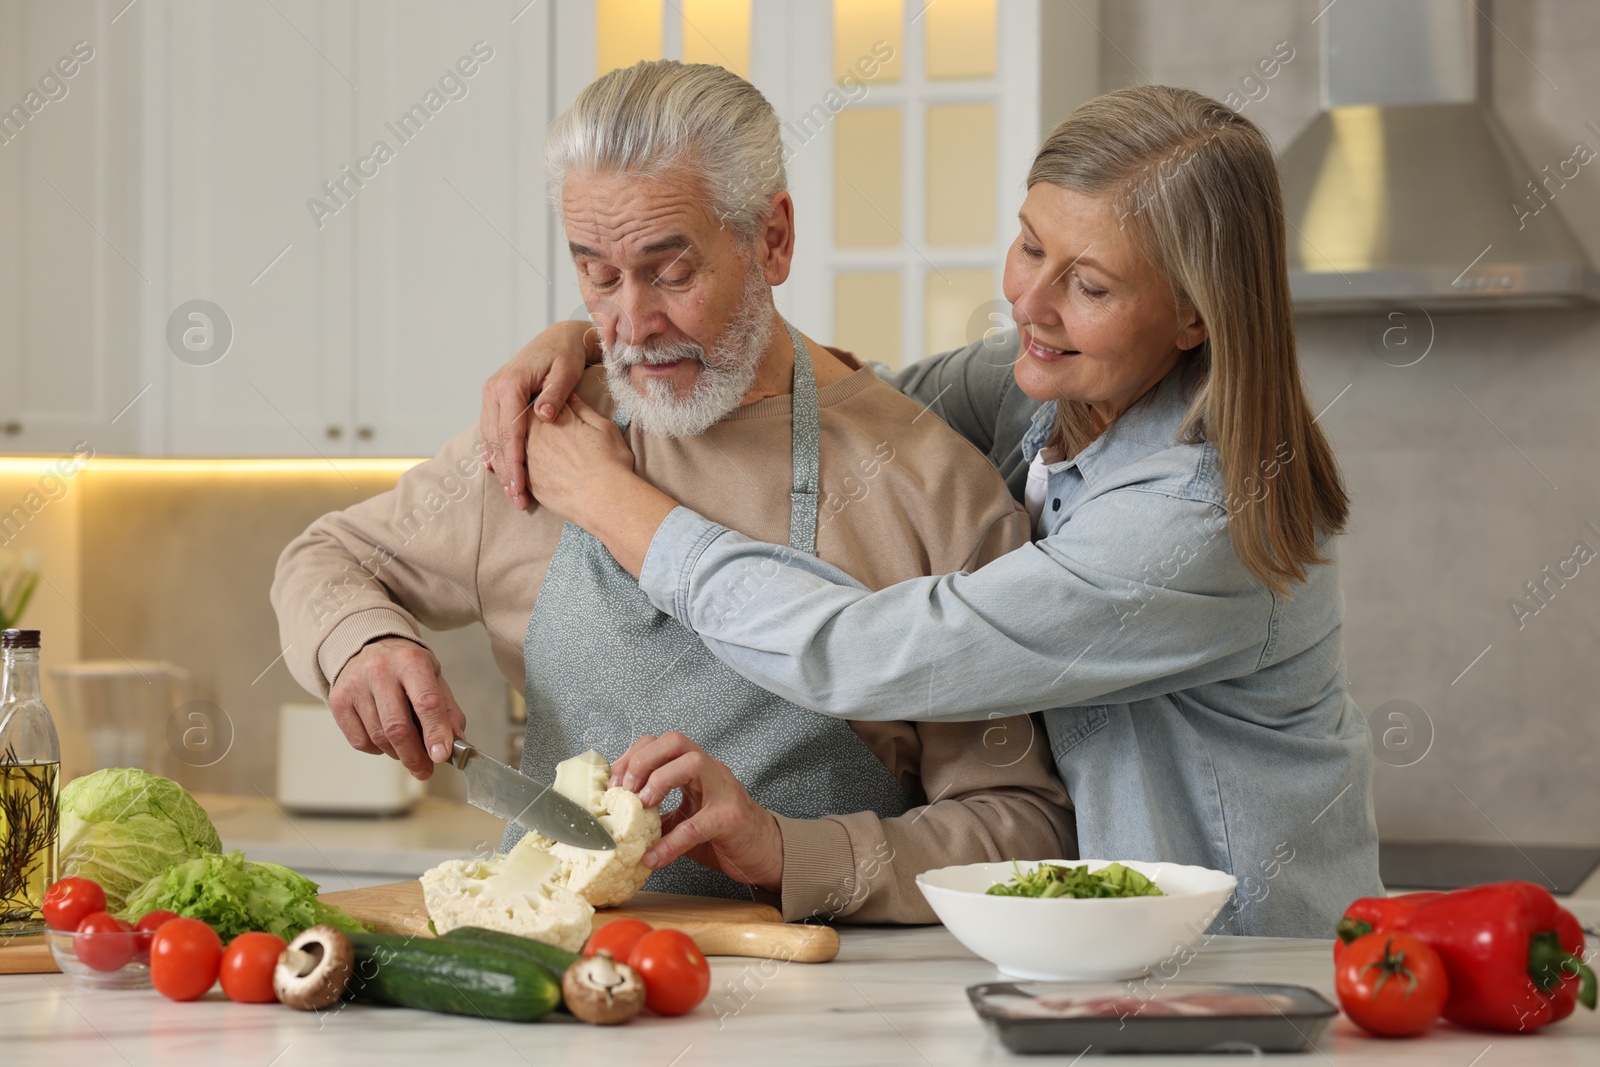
(1055,505)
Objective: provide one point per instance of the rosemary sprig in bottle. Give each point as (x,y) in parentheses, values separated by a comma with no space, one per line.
(28,815)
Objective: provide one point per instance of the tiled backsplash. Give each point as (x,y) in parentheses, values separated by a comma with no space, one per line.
(176,566)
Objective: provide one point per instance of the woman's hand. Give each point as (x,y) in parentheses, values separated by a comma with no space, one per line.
(554,360)
(584,473)
(717,824)
(579,453)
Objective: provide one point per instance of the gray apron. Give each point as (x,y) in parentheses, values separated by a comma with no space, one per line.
(604,667)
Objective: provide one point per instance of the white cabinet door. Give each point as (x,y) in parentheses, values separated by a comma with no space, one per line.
(257,102)
(452,233)
(356,186)
(71,267)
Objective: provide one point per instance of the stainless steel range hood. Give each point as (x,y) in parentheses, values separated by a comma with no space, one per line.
(1406,189)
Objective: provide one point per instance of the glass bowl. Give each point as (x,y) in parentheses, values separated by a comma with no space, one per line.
(108,960)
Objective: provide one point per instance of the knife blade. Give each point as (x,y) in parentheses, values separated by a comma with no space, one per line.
(511,795)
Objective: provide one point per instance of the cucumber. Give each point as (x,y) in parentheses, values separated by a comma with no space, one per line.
(457,977)
(554,960)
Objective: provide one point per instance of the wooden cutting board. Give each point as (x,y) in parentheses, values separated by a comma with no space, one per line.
(719,927)
(26,955)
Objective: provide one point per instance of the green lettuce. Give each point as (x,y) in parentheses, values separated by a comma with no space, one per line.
(235,895)
(122,826)
(1054,880)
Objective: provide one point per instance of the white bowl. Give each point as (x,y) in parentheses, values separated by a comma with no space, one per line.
(1066,938)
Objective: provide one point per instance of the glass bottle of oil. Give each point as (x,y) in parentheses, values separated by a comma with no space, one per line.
(30,782)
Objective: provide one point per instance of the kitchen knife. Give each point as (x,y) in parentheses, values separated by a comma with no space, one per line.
(513,796)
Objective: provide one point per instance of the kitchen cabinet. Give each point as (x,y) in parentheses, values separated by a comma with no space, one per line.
(71,267)
(243,118)
(452,236)
(205,225)
(360,193)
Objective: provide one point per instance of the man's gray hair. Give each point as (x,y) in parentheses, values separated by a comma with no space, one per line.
(662,116)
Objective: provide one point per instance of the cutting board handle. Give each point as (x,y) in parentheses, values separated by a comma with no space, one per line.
(788,942)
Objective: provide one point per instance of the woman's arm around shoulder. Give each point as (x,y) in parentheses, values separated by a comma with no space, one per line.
(1139,594)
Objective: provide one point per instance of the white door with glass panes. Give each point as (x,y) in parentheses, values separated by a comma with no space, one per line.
(907,139)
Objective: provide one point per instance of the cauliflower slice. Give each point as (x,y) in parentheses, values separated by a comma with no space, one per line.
(604,878)
(518,893)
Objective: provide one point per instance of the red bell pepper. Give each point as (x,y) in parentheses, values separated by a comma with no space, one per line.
(1514,956)
(1377,915)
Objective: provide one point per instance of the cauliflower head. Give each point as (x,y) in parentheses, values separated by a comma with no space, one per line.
(604,878)
(518,893)
(607,879)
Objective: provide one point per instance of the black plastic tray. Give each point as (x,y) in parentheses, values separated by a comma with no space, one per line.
(1137,1016)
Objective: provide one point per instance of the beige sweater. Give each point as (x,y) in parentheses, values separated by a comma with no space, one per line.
(901,496)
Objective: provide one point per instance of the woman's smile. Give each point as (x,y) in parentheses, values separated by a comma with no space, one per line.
(1045,353)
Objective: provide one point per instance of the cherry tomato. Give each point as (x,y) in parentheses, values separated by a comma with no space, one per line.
(69,901)
(146,927)
(1391,984)
(617,937)
(185,955)
(247,966)
(102,942)
(675,973)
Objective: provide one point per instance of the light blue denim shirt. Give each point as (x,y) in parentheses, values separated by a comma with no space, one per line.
(1195,716)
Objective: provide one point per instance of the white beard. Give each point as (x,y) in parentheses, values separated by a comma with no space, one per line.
(726,373)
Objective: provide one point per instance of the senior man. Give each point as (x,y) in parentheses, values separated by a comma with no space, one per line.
(671,190)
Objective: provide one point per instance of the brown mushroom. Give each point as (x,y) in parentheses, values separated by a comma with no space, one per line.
(314,970)
(600,990)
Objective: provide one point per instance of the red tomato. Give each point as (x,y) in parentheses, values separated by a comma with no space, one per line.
(146,927)
(69,901)
(676,976)
(1391,984)
(151,921)
(247,967)
(618,938)
(102,942)
(185,955)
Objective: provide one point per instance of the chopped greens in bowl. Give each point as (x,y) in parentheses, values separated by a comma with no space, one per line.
(1053,880)
(1128,925)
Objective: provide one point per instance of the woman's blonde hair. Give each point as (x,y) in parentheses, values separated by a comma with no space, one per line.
(1195,187)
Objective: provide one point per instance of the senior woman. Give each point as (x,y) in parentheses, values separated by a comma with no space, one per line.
(1177,618)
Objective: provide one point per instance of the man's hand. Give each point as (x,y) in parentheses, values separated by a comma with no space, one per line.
(554,360)
(717,824)
(384,691)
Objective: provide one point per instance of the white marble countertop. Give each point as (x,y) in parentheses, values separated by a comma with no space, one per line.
(894,995)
